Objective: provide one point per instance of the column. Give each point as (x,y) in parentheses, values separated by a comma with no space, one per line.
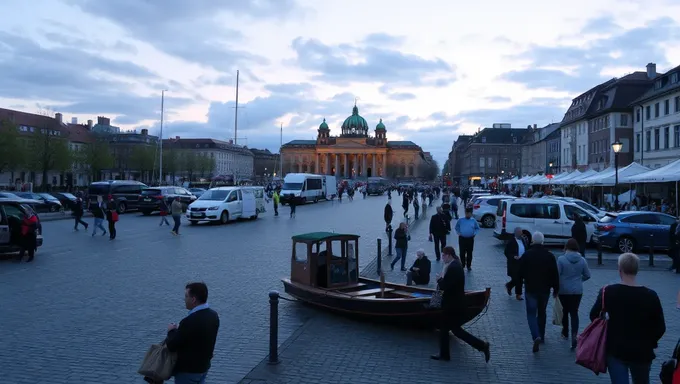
(328,164)
(317,157)
(363,165)
(337,164)
(299,167)
(384,166)
(374,170)
(346,159)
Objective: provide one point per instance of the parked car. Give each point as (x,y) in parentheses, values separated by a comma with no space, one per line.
(634,230)
(223,204)
(42,202)
(476,196)
(588,207)
(14,210)
(125,193)
(197,191)
(553,218)
(66,199)
(150,199)
(8,195)
(484,209)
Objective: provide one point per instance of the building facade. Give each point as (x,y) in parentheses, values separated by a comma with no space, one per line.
(656,140)
(534,149)
(553,155)
(455,159)
(226,158)
(353,154)
(265,163)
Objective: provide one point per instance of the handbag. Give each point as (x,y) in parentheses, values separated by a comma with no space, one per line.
(670,370)
(158,363)
(114,216)
(591,348)
(436,299)
(557,312)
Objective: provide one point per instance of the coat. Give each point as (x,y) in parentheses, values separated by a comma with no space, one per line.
(453,285)
(580,234)
(389,213)
(512,250)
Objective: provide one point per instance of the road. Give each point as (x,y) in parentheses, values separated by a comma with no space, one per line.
(88,308)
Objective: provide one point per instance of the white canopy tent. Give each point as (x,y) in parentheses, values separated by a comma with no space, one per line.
(521,179)
(624,173)
(579,180)
(557,178)
(533,180)
(665,174)
(511,181)
(564,180)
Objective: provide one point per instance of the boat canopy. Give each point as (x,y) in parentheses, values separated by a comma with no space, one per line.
(325,259)
(314,237)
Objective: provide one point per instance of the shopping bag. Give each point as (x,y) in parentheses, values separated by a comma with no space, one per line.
(592,343)
(557,312)
(436,300)
(114,216)
(158,363)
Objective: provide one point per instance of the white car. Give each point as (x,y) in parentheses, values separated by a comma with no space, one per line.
(484,209)
(552,217)
(588,207)
(224,204)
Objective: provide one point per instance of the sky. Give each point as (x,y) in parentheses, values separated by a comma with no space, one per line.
(432,70)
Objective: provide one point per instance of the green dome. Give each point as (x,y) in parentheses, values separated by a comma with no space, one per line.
(323,125)
(380,126)
(355,125)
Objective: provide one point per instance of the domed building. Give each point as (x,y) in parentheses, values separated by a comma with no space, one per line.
(353,154)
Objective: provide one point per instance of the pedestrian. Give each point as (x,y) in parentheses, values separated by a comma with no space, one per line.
(405,202)
(111,218)
(176,211)
(78,214)
(416,207)
(28,239)
(514,250)
(292,201)
(538,271)
(419,273)
(193,340)
(99,215)
(635,323)
(276,199)
(573,271)
(467,228)
(578,232)
(452,282)
(389,214)
(401,245)
(164,212)
(454,207)
(439,227)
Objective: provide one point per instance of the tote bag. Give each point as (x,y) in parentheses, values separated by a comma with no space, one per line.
(557,312)
(158,363)
(591,348)
(436,300)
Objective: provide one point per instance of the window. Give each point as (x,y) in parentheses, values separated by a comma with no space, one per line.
(547,211)
(677,103)
(637,142)
(676,136)
(483,139)
(666,137)
(667,106)
(481,162)
(657,136)
(648,140)
(512,164)
(674,78)
(233,196)
(300,253)
(657,84)
(648,112)
(522,210)
(656,110)
(505,163)
(606,121)
(624,120)
(571,211)
(637,115)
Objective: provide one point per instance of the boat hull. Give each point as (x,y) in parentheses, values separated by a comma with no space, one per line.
(413,312)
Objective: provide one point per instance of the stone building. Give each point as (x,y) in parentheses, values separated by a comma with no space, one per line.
(534,150)
(353,154)
(228,158)
(265,163)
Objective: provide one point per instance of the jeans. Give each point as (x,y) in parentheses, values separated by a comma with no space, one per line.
(98,223)
(190,378)
(177,219)
(467,244)
(401,254)
(536,304)
(79,220)
(618,371)
(570,304)
(112,229)
(276,209)
(164,220)
(439,244)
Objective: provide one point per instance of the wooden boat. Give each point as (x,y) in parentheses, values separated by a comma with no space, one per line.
(324,273)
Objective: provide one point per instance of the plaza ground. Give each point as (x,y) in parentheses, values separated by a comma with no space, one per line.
(87,309)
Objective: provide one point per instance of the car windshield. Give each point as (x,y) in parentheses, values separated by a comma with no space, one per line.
(68,196)
(292,186)
(151,192)
(47,196)
(196,189)
(214,195)
(98,189)
(587,207)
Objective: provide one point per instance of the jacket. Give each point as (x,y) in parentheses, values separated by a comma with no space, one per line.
(538,270)
(423,274)
(78,208)
(453,285)
(579,233)
(512,250)
(98,210)
(176,208)
(389,213)
(573,271)
(194,341)
(276,198)
(401,238)
(439,225)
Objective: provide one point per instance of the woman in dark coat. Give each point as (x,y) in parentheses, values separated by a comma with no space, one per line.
(578,232)
(389,214)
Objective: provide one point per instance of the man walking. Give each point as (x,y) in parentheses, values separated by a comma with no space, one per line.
(78,214)
(439,227)
(176,211)
(276,199)
(467,228)
(389,214)
(194,339)
(538,270)
(514,250)
(99,215)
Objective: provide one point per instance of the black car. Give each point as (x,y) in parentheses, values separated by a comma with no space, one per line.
(66,199)
(125,193)
(150,199)
(12,211)
(44,201)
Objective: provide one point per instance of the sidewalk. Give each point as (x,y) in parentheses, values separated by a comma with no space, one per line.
(52,216)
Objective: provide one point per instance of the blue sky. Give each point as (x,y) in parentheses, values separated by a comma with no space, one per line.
(431,70)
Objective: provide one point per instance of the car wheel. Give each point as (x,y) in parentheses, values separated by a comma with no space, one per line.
(224,217)
(121,208)
(625,244)
(146,213)
(488,221)
(53,208)
(304,200)
(193,222)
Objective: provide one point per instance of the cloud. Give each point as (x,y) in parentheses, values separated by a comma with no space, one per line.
(402,96)
(383,39)
(344,63)
(193,31)
(536,111)
(498,99)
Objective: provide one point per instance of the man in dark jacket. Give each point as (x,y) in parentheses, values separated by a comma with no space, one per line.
(389,214)
(514,250)
(78,213)
(538,270)
(673,249)
(579,233)
(439,227)
(194,339)
(452,282)
(419,273)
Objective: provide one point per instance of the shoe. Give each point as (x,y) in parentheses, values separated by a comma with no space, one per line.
(508,288)
(392,267)
(404,269)
(75,229)
(487,352)
(519,297)
(574,342)
(29,259)
(86,227)
(439,357)
(104,234)
(94,233)
(564,334)
(537,342)
(469,269)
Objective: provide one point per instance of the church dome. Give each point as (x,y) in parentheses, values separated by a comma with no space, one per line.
(355,125)
(380,126)
(323,125)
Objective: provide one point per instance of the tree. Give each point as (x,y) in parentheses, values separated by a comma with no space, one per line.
(12,148)
(205,165)
(189,162)
(429,170)
(97,156)
(50,152)
(142,160)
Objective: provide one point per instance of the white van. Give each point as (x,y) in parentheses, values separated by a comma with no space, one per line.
(224,204)
(553,218)
(302,187)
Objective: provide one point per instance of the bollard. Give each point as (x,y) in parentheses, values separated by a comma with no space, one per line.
(273,327)
(379,256)
(599,253)
(389,241)
(651,250)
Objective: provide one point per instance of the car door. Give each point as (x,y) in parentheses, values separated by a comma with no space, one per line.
(239,203)
(4,228)
(662,231)
(641,228)
(549,220)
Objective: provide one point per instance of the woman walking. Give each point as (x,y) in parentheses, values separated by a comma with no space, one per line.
(401,236)
(176,210)
(112,218)
(573,271)
(635,326)
(580,234)
(99,215)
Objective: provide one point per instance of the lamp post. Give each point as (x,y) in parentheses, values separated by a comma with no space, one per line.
(616,147)
(550,165)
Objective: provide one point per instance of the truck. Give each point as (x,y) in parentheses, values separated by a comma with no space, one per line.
(302,188)
(376,186)
(330,186)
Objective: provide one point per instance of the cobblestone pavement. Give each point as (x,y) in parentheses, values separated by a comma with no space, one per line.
(332,349)
(87,309)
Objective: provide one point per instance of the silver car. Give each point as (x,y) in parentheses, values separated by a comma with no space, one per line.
(484,209)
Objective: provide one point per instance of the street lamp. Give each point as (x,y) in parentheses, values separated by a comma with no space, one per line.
(616,147)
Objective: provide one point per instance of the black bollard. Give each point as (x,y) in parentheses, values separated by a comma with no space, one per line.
(651,250)
(379,256)
(599,253)
(273,327)
(389,241)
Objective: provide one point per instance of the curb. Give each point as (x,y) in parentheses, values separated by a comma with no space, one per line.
(60,216)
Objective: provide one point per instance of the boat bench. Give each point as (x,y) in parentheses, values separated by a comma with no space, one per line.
(402,293)
(368,292)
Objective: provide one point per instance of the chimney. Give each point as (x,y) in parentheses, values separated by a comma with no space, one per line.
(231,141)
(58,117)
(535,126)
(145,131)
(176,137)
(74,120)
(651,70)
(101,120)
(89,124)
